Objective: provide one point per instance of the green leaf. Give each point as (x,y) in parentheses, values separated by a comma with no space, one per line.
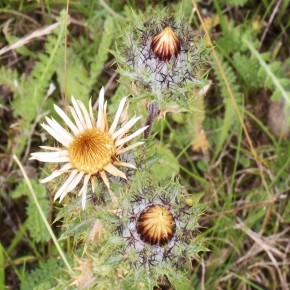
(230,41)
(230,119)
(31,101)
(166,161)
(77,229)
(11,79)
(103,52)
(247,68)
(75,80)
(11,39)
(20,190)
(43,277)
(273,73)
(36,227)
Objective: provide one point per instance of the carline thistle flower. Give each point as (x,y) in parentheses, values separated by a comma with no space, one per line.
(92,147)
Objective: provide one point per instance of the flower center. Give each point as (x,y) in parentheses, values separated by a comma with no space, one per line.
(91,151)
(166,44)
(156,225)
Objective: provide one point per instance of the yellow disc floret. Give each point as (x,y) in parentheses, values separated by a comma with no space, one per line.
(91,151)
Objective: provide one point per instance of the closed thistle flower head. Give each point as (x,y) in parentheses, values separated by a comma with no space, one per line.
(90,148)
(155,225)
(155,235)
(161,55)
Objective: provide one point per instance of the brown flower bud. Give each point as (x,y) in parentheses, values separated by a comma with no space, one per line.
(166,44)
(156,225)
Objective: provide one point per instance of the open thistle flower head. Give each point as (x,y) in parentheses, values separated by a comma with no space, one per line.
(162,55)
(90,148)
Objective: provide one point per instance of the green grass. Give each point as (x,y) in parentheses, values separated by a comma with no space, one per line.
(240,176)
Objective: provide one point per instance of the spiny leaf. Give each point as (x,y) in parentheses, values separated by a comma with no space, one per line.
(170,164)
